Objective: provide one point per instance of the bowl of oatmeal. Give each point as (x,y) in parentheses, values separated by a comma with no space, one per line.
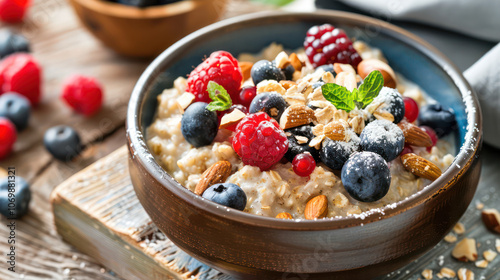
(352,185)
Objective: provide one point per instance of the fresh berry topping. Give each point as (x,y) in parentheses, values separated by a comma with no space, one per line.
(406,150)
(294,148)
(21,73)
(327,68)
(8,136)
(432,135)
(411,109)
(247,94)
(393,103)
(13,10)
(334,154)
(199,126)
(83,94)
(222,68)
(227,194)
(326,44)
(240,107)
(384,138)
(16,108)
(259,141)
(366,177)
(266,70)
(12,43)
(22,194)
(303,164)
(288,71)
(270,102)
(441,119)
(62,142)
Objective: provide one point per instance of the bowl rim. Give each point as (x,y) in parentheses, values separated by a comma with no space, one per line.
(463,160)
(129,12)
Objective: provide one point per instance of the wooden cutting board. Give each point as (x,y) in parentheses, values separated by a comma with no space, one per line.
(97,211)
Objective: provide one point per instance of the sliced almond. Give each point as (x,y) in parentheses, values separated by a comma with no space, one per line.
(246,68)
(450,238)
(357,124)
(482,264)
(284,215)
(232,118)
(270,86)
(366,66)
(489,255)
(217,173)
(414,135)
(336,130)
(296,62)
(287,84)
(282,60)
(301,139)
(296,115)
(465,250)
(491,219)
(420,167)
(347,80)
(465,274)
(328,77)
(459,228)
(447,272)
(383,115)
(316,208)
(316,142)
(185,100)
(427,274)
(339,67)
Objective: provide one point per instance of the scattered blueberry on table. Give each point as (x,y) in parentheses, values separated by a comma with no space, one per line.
(62,142)
(16,108)
(16,205)
(227,194)
(11,42)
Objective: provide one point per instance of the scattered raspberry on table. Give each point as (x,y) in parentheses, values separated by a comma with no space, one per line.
(21,73)
(8,137)
(13,10)
(83,94)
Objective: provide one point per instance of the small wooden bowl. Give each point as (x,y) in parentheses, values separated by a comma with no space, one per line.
(248,246)
(146,32)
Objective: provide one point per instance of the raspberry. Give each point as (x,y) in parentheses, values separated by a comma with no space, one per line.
(83,94)
(326,44)
(8,136)
(13,10)
(222,68)
(21,73)
(259,141)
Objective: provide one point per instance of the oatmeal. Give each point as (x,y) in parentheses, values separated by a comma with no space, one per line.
(303,120)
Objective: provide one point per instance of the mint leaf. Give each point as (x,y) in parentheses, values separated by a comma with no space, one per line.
(370,88)
(339,96)
(221,99)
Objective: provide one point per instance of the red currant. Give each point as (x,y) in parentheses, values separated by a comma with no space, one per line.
(411,109)
(247,94)
(406,150)
(431,134)
(303,164)
(8,136)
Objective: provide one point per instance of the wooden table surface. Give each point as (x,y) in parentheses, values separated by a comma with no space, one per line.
(63,47)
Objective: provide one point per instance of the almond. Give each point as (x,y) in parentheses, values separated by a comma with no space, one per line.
(420,167)
(296,62)
(185,100)
(383,115)
(339,67)
(447,272)
(465,274)
(491,219)
(296,115)
(427,274)
(414,135)
(465,250)
(316,208)
(284,215)
(282,60)
(347,80)
(366,66)
(232,118)
(336,130)
(245,67)
(217,173)
(489,255)
(287,84)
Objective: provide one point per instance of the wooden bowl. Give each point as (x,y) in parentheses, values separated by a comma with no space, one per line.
(145,32)
(253,247)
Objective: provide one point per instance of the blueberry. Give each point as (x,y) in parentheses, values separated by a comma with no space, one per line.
(441,119)
(294,148)
(16,108)
(327,68)
(15,206)
(11,43)
(266,70)
(270,102)
(62,142)
(366,177)
(199,126)
(334,154)
(384,138)
(288,71)
(227,194)
(394,103)
(138,3)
